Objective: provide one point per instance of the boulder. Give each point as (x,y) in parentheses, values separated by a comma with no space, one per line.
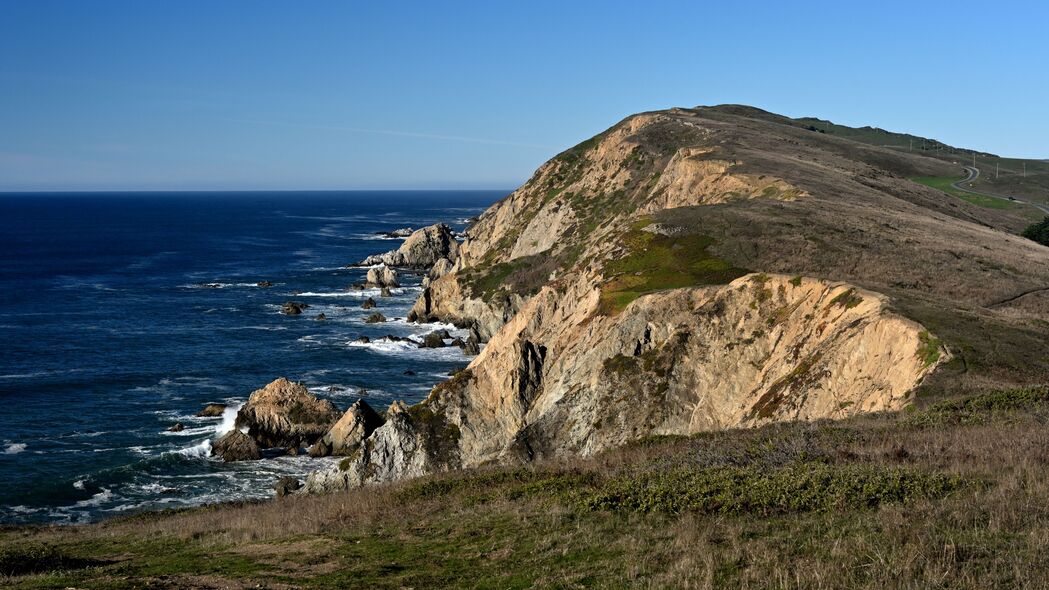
(409,373)
(177,427)
(385,292)
(382,276)
(433,340)
(348,434)
(236,446)
(293,307)
(285,414)
(287,485)
(369,303)
(212,411)
(421,250)
(375,318)
(321,317)
(363,339)
(263,284)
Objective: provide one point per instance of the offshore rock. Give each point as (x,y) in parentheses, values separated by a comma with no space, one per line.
(421,250)
(236,446)
(285,414)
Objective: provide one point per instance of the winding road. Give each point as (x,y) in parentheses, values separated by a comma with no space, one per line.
(974,173)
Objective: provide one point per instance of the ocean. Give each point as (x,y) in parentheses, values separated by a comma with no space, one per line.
(123,313)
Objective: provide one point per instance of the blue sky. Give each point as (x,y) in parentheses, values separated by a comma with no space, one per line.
(224,94)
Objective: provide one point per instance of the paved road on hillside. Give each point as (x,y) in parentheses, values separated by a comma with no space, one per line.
(974,173)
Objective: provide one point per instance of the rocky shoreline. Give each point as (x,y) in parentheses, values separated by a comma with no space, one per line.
(284,418)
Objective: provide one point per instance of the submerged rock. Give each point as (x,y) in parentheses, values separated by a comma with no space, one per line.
(375,318)
(211,411)
(369,303)
(421,249)
(385,292)
(293,307)
(236,446)
(177,427)
(285,414)
(321,317)
(348,434)
(403,232)
(263,284)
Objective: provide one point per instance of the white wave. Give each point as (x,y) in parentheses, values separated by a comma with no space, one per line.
(229,420)
(217,285)
(360,293)
(267,328)
(14,448)
(201,449)
(190,431)
(104,496)
(35,374)
(409,348)
(78,484)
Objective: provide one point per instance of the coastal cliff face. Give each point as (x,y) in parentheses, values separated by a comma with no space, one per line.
(628,290)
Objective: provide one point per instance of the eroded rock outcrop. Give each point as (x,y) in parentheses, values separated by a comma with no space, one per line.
(413,441)
(348,433)
(285,414)
(382,276)
(421,250)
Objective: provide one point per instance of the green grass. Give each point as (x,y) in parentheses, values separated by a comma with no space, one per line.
(801,487)
(945,184)
(654,262)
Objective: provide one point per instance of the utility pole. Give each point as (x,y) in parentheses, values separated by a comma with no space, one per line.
(996,170)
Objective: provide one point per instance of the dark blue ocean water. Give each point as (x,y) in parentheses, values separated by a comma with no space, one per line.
(107,336)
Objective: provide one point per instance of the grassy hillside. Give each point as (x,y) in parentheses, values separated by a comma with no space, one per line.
(948,496)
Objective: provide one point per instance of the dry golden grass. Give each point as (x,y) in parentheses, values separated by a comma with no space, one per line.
(523,528)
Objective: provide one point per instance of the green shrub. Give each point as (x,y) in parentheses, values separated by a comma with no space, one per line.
(801,487)
(34,558)
(1038,232)
(980,408)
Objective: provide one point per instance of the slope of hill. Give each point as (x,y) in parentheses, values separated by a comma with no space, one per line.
(697,269)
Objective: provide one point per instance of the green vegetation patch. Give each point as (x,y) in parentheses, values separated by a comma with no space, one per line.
(1038,232)
(803,487)
(982,408)
(847,299)
(946,184)
(654,262)
(929,351)
(31,558)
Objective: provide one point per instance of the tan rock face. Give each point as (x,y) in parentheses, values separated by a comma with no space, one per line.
(286,414)
(348,433)
(421,250)
(382,276)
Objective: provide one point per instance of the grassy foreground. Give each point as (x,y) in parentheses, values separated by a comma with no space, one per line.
(955,495)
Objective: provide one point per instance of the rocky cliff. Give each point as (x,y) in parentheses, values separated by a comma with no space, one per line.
(690,270)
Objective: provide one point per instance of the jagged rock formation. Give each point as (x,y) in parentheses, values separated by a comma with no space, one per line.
(382,276)
(236,446)
(348,434)
(699,269)
(285,414)
(421,250)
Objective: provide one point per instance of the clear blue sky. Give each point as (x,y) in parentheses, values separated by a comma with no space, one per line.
(223,94)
